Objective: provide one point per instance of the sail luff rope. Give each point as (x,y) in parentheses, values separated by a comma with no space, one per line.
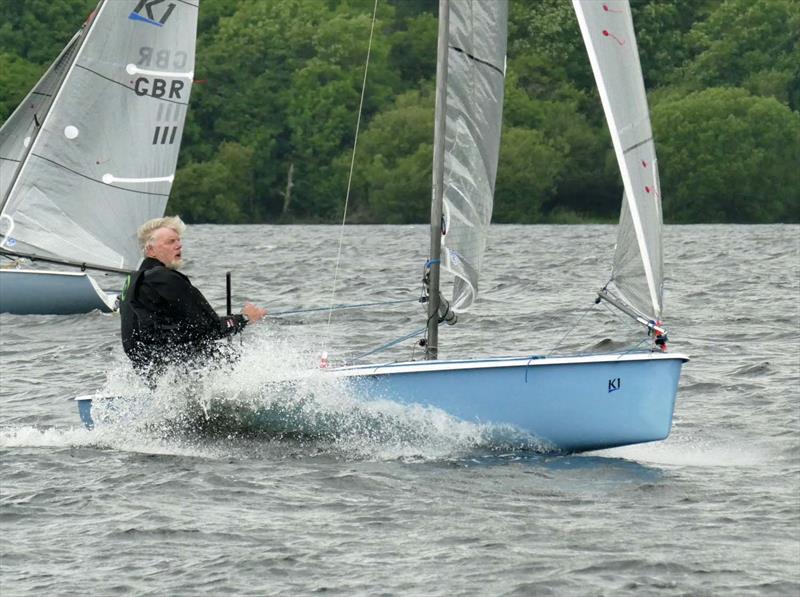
(352,163)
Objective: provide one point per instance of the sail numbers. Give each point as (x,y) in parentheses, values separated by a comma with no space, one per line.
(149,16)
(164,135)
(158,88)
(148,56)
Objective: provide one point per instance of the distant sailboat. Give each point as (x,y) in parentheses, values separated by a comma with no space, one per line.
(569,403)
(91,152)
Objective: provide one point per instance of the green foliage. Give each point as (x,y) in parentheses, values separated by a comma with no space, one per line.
(662,29)
(272,124)
(37,30)
(392,181)
(727,156)
(548,30)
(16,75)
(220,190)
(753,44)
(413,50)
(527,181)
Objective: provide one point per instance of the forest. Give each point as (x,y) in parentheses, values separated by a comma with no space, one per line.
(271,125)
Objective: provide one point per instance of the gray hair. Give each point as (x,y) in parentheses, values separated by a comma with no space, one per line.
(146,230)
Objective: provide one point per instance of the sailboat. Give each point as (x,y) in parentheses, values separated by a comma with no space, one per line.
(565,403)
(568,403)
(91,153)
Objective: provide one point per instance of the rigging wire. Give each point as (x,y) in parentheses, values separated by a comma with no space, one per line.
(387,345)
(610,311)
(570,330)
(352,163)
(342,307)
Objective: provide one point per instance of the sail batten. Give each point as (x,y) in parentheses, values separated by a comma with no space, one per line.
(607,30)
(105,155)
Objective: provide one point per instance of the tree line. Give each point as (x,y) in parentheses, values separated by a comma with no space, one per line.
(271,128)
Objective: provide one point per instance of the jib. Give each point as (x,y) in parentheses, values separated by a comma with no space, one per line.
(158,88)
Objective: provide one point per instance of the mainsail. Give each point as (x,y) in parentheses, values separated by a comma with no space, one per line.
(104,158)
(475,78)
(637,275)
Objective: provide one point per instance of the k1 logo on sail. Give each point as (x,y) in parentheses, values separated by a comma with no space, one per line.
(147,6)
(614,384)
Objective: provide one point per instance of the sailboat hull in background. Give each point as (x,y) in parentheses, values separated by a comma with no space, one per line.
(35,292)
(572,404)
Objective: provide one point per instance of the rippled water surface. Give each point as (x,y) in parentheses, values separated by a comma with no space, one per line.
(346,498)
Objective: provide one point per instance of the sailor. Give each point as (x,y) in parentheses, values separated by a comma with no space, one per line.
(165,319)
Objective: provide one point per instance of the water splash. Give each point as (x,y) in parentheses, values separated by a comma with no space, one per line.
(690,451)
(275,390)
(29,436)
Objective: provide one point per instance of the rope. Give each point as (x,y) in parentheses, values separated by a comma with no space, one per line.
(352,162)
(389,344)
(341,307)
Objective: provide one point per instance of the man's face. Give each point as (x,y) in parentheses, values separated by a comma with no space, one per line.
(166,247)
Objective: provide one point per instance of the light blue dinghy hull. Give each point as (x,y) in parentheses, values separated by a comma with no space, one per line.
(40,292)
(569,404)
(85,410)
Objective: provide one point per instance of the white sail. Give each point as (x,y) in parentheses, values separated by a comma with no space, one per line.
(475,80)
(105,155)
(607,29)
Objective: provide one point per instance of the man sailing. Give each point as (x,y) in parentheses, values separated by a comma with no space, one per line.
(165,319)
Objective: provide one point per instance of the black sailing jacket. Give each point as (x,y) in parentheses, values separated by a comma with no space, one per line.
(165,319)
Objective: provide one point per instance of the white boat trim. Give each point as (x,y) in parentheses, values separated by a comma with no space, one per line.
(465,364)
(498,362)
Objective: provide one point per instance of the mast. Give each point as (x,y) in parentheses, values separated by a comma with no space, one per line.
(432,346)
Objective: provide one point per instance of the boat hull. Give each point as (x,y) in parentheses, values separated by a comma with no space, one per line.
(567,404)
(41,292)
(570,403)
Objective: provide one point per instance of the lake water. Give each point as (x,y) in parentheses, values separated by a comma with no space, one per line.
(422,505)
